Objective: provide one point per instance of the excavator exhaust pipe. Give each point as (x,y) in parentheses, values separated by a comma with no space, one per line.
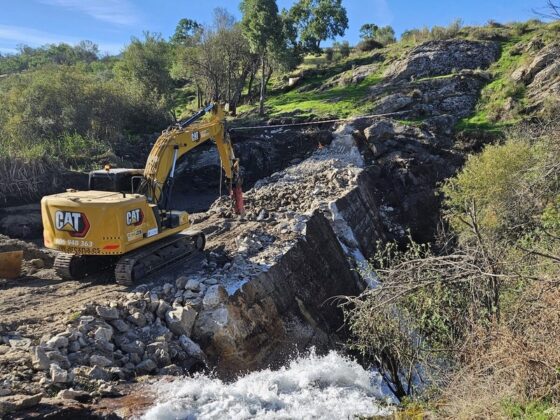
(10,264)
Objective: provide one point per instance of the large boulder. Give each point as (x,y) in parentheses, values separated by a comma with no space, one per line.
(107,313)
(39,359)
(181,320)
(438,58)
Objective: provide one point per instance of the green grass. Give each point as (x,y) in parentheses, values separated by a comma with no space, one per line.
(313,61)
(480,121)
(533,410)
(490,114)
(340,101)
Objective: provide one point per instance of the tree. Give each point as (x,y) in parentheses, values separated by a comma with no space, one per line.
(319,20)
(217,60)
(262,27)
(146,65)
(368,31)
(185,31)
(385,35)
(86,51)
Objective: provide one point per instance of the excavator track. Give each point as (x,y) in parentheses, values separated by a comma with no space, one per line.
(138,264)
(76,267)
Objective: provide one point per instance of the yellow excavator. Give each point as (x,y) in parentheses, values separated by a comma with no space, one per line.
(125,220)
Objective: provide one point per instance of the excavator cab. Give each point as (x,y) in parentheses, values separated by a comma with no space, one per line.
(115,179)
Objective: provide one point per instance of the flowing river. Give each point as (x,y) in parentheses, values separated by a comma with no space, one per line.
(309,387)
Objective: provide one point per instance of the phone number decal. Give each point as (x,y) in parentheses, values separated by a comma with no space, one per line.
(80,251)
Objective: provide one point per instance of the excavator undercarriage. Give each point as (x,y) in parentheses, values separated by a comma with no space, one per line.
(135,265)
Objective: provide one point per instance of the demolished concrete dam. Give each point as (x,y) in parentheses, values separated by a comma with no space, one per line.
(306,230)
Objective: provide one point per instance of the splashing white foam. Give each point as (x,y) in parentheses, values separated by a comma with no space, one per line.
(311,387)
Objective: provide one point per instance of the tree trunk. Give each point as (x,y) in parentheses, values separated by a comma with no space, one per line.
(236,97)
(263,87)
(250,87)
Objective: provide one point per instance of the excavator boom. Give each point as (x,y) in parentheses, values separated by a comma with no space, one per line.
(179,140)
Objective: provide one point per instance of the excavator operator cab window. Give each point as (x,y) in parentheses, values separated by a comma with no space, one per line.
(117,180)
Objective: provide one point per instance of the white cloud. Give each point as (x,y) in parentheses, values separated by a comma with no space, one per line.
(11,36)
(119,12)
(21,35)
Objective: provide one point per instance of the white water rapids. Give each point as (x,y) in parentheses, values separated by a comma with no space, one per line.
(309,387)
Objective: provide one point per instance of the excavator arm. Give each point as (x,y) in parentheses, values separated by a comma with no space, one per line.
(180,139)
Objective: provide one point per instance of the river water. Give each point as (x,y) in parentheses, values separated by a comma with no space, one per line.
(309,387)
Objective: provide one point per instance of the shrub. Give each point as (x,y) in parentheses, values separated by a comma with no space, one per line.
(425,34)
(344,49)
(329,54)
(551,109)
(368,44)
(385,35)
(65,112)
(487,189)
(475,319)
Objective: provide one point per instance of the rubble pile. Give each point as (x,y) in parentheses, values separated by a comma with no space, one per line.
(282,203)
(146,332)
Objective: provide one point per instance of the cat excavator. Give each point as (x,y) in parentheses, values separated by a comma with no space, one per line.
(126,218)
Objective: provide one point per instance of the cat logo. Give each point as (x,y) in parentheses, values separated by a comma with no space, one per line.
(76,224)
(134,217)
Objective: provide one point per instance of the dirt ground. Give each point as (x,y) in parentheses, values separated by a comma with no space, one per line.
(42,302)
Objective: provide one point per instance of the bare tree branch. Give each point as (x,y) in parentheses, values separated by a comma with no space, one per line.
(550,11)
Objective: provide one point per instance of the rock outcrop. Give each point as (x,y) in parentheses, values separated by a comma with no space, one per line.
(439,58)
(541,75)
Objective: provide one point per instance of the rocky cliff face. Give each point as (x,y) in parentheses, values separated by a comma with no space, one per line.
(440,58)
(541,74)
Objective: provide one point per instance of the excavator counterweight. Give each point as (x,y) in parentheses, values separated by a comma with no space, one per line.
(136,231)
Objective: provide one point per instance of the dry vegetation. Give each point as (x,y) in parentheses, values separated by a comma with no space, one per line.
(470,326)
(25,179)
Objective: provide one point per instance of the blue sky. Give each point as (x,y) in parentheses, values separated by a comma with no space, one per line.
(111,23)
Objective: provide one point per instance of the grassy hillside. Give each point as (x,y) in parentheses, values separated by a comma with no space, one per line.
(314,96)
